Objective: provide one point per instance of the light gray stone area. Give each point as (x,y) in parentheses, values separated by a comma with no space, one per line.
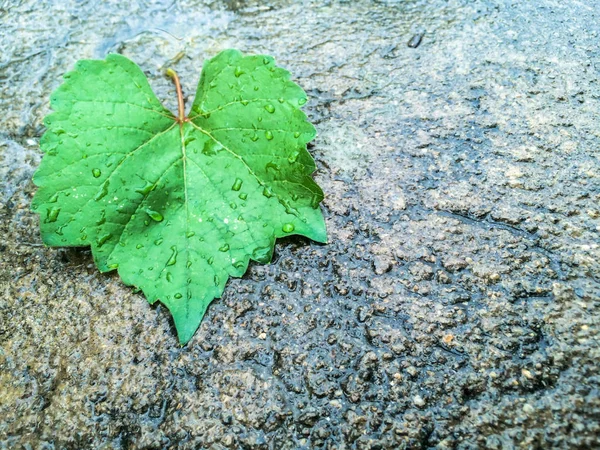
(457,302)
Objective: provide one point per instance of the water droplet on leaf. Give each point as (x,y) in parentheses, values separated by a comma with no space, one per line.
(269,135)
(237,184)
(270,108)
(154,215)
(173,258)
(52,215)
(96,173)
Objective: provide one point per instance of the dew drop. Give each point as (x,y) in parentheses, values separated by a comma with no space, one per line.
(96,173)
(293,157)
(269,135)
(158,241)
(281,100)
(144,190)
(262,254)
(266,61)
(102,239)
(294,197)
(189,234)
(188,264)
(237,184)
(103,192)
(84,237)
(154,215)
(102,218)
(254,138)
(256,88)
(272,165)
(296,134)
(178,296)
(169,277)
(210,260)
(233,205)
(243,196)
(238,264)
(267,192)
(224,248)
(314,201)
(139,246)
(53,199)
(302,101)
(270,108)
(173,258)
(288,227)
(216,280)
(244,102)
(52,215)
(238,72)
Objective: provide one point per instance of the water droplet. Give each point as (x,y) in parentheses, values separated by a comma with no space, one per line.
(96,173)
(296,134)
(139,246)
(259,118)
(244,102)
(238,264)
(237,184)
(314,201)
(188,264)
(53,199)
(267,192)
(268,135)
(294,197)
(270,108)
(189,234)
(102,239)
(178,296)
(84,237)
(158,241)
(266,61)
(103,191)
(293,157)
(52,215)
(256,88)
(281,100)
(210,260)
(188,140)
(113,266)
(262,254)
(224,248)
(288,227)
(233,205)
(173,258)
(154,215)
(302,101)
(169,277)
(216,280)
(272,165)
(238,72)
(102,218)
(254,137)
(243,196)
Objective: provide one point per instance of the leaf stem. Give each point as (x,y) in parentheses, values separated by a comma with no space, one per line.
(181,118)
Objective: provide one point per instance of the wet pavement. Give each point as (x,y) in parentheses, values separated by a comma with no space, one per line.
(457,303)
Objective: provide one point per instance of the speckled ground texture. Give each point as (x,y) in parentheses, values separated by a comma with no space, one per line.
(457,303)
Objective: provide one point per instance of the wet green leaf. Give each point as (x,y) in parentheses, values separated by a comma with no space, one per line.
(178,206)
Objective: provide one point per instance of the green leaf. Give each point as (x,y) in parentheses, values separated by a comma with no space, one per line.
(178,205)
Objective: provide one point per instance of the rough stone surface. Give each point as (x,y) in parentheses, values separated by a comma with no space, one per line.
(457,304)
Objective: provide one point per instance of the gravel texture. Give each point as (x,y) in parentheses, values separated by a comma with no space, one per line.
(457,303)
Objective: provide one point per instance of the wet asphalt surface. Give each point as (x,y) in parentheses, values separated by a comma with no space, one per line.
(457,303)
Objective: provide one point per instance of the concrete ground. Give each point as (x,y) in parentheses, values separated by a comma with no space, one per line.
(457,304)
